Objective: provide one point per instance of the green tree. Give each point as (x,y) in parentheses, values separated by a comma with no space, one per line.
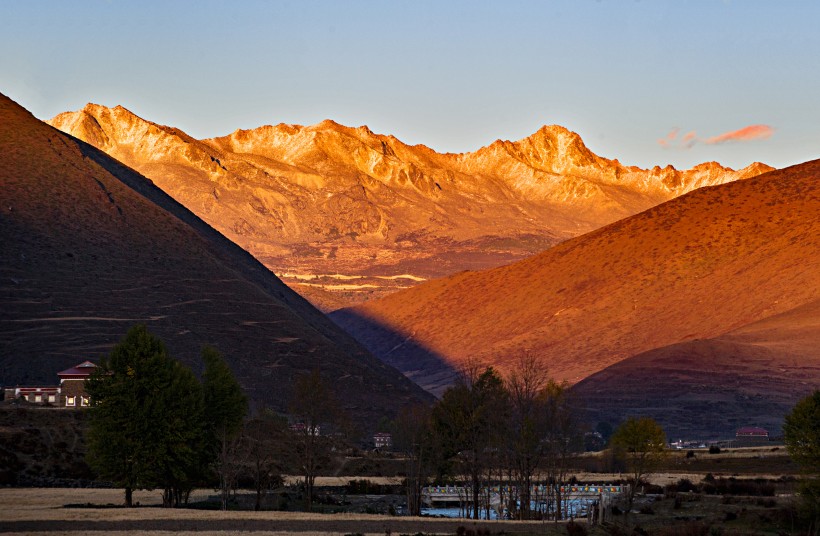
(641,444)
(801,432)
(226,406)
(145,418)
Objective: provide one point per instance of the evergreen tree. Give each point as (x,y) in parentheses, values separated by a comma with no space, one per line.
(226,406)
(145,419)
(802,435)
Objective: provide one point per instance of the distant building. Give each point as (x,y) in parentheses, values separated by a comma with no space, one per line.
(70,393)
(301,428)
(753,432)
(72,384)
(751,435)
(383,440)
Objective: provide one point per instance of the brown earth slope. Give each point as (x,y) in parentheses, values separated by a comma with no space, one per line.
(89,247)
(343,214)
(707,388)
(698,266)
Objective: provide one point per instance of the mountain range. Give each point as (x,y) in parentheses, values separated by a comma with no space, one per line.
(88,247)
(344,215)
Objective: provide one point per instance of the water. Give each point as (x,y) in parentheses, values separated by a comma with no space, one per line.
(573,508)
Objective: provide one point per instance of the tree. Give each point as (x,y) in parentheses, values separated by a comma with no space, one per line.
(468,419)
(314,405)
(801,432)
(264,441)
(145,418)
(562,436)
(641,443)
(414,436)
(226,407)
(526,425)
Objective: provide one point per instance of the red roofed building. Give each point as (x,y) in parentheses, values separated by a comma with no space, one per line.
(70,393)
(749,435)
(72,384)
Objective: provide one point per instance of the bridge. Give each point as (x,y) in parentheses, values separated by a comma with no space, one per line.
(432,495)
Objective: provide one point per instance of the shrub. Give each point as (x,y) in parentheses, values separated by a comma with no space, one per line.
(576,529)
(714,449)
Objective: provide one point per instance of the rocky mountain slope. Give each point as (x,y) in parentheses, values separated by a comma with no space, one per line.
(88,247)
(696,267)
(344,214)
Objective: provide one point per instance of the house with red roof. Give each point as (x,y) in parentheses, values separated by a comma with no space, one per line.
(751,435)
(70,393)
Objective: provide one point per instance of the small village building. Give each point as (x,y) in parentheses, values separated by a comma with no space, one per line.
(72,384)
(35,395)
(70,393)
(301,429)
(751,435)
(382,440)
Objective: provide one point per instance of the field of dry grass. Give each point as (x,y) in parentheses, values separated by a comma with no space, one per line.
(42,511)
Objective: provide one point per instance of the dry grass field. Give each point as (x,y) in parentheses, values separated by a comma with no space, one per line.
(42,512)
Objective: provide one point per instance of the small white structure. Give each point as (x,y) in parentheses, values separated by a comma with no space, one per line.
(382,440)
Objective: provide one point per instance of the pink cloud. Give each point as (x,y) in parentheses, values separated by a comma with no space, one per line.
(752,132)
(689,136)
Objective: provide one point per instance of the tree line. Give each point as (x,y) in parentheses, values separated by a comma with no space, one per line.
(519,433)
(154,425)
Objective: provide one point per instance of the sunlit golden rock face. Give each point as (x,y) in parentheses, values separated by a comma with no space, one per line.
(339,212)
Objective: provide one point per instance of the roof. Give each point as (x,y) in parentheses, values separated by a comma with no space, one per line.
(82,370)
(752,430)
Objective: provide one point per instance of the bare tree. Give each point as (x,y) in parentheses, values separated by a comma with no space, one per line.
(562,437)
(468,419)
(414,437)
(526,426)
(314,405)
(264,444)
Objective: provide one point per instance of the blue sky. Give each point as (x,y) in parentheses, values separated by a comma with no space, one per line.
(647,82)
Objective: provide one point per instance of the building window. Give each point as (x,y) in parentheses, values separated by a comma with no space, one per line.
(70,401)
(52,399)
(84,401)
(38,398)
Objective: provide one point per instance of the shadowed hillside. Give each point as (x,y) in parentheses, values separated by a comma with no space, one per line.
(698,389)
(89,248)
(344,214)
(696,267)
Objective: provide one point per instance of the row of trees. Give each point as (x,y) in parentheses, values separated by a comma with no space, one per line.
(523,430)
(486,429)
